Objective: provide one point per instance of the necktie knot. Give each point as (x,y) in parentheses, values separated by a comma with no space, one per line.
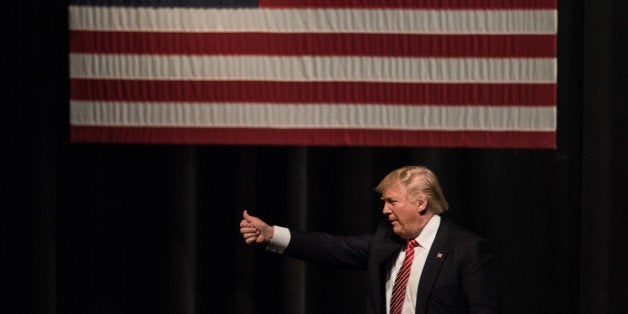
(412,244)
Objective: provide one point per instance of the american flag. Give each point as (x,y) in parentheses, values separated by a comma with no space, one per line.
(422,73)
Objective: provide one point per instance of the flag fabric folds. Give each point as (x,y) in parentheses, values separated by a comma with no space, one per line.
(421,73)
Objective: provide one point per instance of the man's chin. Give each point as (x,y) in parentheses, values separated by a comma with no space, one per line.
(395,226)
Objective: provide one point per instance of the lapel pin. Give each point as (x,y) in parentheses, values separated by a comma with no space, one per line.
(439,255)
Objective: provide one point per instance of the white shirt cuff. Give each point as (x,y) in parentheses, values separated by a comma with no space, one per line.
(281,239)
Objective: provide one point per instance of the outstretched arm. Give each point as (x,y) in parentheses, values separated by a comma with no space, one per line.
(254,230)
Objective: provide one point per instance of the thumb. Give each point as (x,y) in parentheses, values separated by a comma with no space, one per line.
(258,223)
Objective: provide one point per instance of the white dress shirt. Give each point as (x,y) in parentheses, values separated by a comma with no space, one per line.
(425,240)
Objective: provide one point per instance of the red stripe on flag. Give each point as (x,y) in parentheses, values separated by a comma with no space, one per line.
(314,92)
(322,44)
(312,137)
(413,4)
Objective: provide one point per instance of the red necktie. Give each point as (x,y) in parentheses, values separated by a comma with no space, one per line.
(399,289)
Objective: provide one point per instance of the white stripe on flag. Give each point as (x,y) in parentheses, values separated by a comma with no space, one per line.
(313,116)
(406,21)
(359,69)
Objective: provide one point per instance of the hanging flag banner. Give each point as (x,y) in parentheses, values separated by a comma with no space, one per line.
(419,73)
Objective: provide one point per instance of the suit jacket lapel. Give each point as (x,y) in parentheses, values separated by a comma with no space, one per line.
(435,259)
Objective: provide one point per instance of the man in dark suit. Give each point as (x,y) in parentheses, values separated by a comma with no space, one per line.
(451,270)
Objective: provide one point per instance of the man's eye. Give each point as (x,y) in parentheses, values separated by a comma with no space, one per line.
(389,201)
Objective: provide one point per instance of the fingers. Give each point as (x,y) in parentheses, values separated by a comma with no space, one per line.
(244,231)
(251,240)
(246,224)
(250,235)
(250,227)
(247,227)
(249,232)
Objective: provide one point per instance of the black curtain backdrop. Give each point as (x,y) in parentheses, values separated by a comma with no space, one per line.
(91,228)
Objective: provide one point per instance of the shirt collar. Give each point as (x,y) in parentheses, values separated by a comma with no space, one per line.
(428,234)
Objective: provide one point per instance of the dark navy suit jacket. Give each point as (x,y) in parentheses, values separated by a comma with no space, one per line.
(459,275)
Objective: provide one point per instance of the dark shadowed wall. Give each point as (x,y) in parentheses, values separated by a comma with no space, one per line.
(90,228)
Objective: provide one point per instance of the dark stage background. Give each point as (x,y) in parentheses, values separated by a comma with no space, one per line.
(89,228)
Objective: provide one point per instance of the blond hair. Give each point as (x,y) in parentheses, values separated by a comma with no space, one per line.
(418,180)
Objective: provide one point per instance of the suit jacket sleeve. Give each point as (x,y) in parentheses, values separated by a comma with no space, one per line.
(347,252)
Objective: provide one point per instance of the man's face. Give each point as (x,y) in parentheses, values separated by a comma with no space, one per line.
(404,215)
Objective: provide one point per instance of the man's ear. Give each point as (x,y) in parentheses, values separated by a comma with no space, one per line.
(422,205)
